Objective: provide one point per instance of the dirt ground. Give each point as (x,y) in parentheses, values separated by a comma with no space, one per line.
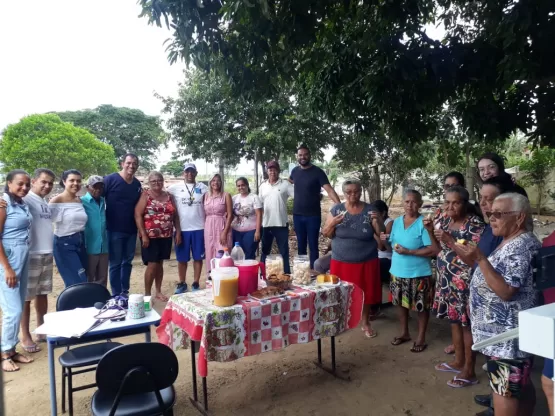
(385,380)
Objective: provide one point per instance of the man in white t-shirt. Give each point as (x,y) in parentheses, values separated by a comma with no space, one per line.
(274,194)
(40,255)
(189,201)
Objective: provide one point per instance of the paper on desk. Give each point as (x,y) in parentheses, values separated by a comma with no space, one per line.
(67,324)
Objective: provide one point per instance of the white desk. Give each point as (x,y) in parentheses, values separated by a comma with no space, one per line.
(107,330)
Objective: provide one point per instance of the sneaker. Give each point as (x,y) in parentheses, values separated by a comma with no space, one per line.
(195,286)
(181,288)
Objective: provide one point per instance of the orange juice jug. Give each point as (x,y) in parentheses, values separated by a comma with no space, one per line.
(225,284)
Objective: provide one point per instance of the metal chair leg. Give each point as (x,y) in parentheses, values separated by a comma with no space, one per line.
(70,391)
(63,389)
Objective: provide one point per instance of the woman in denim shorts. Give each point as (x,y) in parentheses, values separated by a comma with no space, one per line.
(15,224)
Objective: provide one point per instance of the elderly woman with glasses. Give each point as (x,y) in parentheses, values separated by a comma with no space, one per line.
(354,227)
(452,287)
(501,287)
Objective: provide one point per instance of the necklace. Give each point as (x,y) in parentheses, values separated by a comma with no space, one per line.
(191,194)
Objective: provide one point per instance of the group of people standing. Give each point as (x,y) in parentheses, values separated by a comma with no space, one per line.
(83,235)
(90,235)
(482,277)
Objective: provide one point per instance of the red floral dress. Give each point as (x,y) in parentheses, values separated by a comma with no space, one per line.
(158,217)
(453,275)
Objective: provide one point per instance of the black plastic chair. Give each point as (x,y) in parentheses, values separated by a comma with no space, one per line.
(81,295)
(136,380)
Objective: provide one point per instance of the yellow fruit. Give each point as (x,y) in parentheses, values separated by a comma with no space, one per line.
(321,278)
(461,241)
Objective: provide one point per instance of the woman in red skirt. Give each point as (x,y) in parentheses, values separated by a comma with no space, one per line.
(354,229)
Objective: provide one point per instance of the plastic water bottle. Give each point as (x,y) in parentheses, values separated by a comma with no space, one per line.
(237,254)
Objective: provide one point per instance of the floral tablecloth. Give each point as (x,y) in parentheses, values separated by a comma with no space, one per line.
(251,327)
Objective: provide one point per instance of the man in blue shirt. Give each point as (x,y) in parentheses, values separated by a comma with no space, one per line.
(122,192)
(96,237)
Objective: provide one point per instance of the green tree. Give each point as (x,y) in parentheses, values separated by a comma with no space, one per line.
(173,167)
(368,63)
(537,170)
(207,120)
(44,140)
(125,129)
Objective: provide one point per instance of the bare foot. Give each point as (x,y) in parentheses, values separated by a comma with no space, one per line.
(22,359)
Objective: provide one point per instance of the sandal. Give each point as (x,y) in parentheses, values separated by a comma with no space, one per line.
(31,349)
(161,297)
(446,368)
(8,360)
(370,333)
(21,359)
(458,383)
(399,340)
(418,347)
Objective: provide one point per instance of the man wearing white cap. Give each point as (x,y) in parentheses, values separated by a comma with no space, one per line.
(96,236)
(190,209)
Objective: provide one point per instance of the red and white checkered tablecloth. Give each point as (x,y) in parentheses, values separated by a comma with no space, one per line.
(253,327)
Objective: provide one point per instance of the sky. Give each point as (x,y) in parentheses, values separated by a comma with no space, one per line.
(66,55)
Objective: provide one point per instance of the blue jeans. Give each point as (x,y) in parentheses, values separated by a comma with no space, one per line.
(281,234)
(12,299)
(307,228)
(71,258)
(247,243)
(121,248)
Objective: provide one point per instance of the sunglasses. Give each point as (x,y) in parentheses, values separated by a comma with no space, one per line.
(497,215)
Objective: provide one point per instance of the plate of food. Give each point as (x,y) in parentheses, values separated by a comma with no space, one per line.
(282,281)
(269,292)
(327,280)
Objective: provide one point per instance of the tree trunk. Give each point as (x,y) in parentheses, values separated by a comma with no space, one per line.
(374,190)
(469,173)
(221,167)
(256,183)
(540,193)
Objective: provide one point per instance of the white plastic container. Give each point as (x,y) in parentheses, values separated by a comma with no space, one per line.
(225,285)
(136,307)
(237,254)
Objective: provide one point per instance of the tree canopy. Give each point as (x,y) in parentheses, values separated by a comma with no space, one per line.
(207,120)
(125,129)
(173,168)
(372,64)
(44,140)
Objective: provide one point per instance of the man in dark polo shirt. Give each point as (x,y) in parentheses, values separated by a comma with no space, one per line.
(122,191)
(307,216)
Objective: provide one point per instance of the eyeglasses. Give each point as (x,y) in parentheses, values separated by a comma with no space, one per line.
(497,215)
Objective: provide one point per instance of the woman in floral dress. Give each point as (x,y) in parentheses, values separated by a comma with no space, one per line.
(453,279)
(218,208)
